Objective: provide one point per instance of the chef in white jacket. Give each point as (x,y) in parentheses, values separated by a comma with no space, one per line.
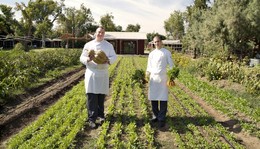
(158,61)
(96,76)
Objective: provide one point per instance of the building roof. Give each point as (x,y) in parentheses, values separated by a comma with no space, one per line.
(171,41)
(126,35)
(55,39)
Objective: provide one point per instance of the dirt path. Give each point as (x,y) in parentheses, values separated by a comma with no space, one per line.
(15,117)
(87,138)
(249,141)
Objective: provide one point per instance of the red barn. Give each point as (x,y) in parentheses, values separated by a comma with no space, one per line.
(127,42)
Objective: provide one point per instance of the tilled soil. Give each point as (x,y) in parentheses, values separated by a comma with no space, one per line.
(14,117)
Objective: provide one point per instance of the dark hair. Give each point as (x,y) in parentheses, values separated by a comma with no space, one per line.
(157,36)
(102,27)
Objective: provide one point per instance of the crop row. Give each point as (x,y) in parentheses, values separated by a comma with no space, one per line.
(127,118)
(20,69)
(59,125)
(192,127)
(235,107)
(127,101)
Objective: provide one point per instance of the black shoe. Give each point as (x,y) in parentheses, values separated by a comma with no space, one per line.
(153,120)
(161,124)
(92,124)
(102,120)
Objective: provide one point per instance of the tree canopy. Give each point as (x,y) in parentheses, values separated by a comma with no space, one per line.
(38,15)
(107,22)
(77,22)
(133,28)
(174,25)
(7,21)
(226,27)
(230,27)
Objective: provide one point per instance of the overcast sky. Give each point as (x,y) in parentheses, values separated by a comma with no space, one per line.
(149,14)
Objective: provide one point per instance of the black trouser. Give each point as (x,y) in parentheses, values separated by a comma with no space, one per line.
(159,113)
(95,106)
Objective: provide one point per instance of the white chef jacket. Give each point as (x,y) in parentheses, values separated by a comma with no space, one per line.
(96,75)
(158,60)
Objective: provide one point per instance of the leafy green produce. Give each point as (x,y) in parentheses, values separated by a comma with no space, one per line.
(172,75)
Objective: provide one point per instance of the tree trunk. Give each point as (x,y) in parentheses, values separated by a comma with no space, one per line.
(195,53)
(43,40)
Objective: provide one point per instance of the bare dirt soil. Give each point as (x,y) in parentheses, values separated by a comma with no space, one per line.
(16,115)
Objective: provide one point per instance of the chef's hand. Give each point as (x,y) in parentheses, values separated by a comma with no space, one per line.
(90,58)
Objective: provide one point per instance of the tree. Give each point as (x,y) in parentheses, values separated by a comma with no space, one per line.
(194,17)
(228,27)
(84,21)
(198,5)
(119,28)
(76,22)
(253,16)
(25,26)
(174,25)
(42,14)
(45,13)
(201,4)
(194,38)
(150,36)
(107,22)
(133,28)
(7,21)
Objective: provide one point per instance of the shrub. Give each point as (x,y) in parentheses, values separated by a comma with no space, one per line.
(180,60)
(198,66)
(252,80)
(19,47)
(212,70)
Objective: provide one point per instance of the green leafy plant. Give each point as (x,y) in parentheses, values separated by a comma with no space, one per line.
(139,76)
(172,75)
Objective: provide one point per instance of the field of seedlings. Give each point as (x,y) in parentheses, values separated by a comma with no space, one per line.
(193,118)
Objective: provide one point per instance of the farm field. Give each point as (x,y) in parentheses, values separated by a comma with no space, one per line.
(199,116)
